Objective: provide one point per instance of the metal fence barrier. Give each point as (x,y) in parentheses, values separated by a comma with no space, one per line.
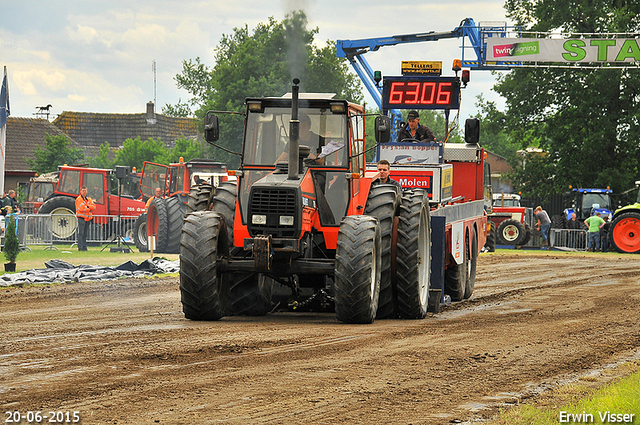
(571,239)
(61,229)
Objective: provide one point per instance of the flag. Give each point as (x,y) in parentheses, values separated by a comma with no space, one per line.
(4,113)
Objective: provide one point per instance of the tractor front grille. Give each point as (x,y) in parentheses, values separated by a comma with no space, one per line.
(274,203)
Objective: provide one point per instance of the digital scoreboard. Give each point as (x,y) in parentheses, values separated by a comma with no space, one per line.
(420,92)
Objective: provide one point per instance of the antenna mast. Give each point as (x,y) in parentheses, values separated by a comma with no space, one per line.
(154,88)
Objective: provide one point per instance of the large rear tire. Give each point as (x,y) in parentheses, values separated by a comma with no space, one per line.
(357,270)
(249,294)
(158,223)
(203,289)
(63,216)
(413,257)
(625,232)
(382,204)
(140,233)
(472,266)
(175,216)
(455,277)
(511,232)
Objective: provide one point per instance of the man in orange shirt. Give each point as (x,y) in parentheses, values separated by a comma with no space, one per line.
(84,208)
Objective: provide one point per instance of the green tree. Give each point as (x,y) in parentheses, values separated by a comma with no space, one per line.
(101,159)
(135,152)
(586,119)
(57,150)
(184,148)
(262,62)
(493,136)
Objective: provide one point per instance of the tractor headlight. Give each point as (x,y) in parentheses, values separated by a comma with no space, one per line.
(286,220)
(258,219)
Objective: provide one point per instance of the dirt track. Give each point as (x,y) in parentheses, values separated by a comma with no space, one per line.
(122,352)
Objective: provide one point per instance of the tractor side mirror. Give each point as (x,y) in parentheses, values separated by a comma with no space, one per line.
(211,127)
(382,129)
(472,131)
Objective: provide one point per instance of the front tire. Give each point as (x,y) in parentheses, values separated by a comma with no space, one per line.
(203,289)
(511,232)
(63,216)
(357,269)
(625,233)
(140,233)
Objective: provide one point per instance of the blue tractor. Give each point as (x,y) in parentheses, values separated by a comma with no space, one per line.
(584,203)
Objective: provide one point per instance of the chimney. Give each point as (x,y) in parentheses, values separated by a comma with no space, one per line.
(151,113)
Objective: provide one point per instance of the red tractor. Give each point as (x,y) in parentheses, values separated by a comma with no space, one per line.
(102,187)
(37,190)
(304,215)
(164,216)
(511,221)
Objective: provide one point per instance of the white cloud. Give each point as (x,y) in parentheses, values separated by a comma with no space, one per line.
(97,56)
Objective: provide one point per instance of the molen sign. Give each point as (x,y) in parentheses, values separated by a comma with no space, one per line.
(573,50)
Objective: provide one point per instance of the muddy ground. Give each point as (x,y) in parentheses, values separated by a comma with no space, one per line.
(121,352)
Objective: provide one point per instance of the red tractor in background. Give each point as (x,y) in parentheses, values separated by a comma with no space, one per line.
(165,215)
(316,222)
(102,185)
(512,223)
(37,190)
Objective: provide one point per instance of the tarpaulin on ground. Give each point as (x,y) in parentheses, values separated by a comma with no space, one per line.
(59,271)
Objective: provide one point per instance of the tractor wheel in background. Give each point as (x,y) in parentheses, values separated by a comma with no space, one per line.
(382,204)
(224,203)
(473,264)
(490,244)
(511,232)
(249,294)
(455,277)
(200,198)
(557,222)
(203,289)
(140,233)
(357,270)
(625,232)
(158,223)
(413,259)
(175,216)
(63,216)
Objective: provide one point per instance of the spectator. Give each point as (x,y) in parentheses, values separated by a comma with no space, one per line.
(594,223)
(543,225)
(414,132)
(604,233)
(384,168)
(158,194)
(10,201)
(84,212)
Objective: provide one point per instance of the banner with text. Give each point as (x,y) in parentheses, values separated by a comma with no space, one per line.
(573,50)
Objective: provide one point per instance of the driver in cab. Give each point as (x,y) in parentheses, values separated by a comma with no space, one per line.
(414,132)
(308,138)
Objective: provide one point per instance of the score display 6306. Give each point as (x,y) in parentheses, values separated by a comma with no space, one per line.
(419,92)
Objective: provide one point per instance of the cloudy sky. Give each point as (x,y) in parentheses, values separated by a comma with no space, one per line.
(96,55)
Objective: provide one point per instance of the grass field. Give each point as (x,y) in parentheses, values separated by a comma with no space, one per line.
(38,255)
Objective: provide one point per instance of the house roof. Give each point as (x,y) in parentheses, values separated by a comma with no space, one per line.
(91,129)
(23,135)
